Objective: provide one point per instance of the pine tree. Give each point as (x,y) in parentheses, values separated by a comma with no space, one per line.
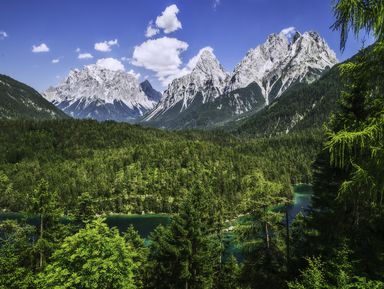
(44,204)
(349,183)
(261,233)
(187,253)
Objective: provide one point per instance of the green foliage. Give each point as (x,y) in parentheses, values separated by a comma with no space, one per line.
(261,233)
(348,174)
(86,208)
(95,257)
(314,277)
(358,15)
(229,274)
(130,169)
(44,204)
(188,252)
(16,255)
(302,107)
(140,254)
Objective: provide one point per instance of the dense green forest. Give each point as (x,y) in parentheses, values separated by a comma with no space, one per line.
(128,169)
(83,170)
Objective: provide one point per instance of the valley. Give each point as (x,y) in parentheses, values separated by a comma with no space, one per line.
(151,160)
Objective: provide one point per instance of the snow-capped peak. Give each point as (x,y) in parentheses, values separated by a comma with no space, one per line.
(97,86)
(282,61)
(205,77)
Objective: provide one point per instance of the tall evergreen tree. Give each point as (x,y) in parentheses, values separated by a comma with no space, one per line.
(262,233)
(44,204)
(349,183)
(187,253)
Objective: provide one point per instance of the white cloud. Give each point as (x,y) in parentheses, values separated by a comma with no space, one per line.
(3,35)
(106,45)
(77,50)
(289,31)
(56,60)
(151,30)
(137,75)
(216,3)
(110,63)
(85,56)
(160,55)
(168,20)
(40,48)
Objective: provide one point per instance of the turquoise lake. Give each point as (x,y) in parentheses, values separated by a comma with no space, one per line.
(145,224)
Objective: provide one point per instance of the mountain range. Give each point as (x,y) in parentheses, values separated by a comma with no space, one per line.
(209,96)
(274,87)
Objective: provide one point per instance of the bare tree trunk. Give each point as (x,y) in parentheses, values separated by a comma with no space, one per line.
(288,235)
(267,233)
(41,237)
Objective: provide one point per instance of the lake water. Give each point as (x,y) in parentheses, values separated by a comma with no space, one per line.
(145,224)
(301,200)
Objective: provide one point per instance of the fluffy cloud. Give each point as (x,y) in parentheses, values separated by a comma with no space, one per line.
(168,19)
(216,3)
(125,59)
(137,75)
(3,35)
(57,60)
(77,50)
(289,31)
(40,48)
(151,30)
(110,63)
(160,55)
(85,56)
(106,45)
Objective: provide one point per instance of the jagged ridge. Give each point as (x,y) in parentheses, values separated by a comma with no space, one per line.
(100,93)
(262,76)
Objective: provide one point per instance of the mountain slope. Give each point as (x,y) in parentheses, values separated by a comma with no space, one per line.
(18,100)
(281,62)
(203,84)
(303,106)
(102,94)
(150,92)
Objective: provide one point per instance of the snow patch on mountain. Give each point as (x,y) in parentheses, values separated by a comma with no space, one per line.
(282,61)
(203,74)
(102,93)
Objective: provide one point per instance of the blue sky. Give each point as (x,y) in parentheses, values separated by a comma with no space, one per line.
(113,32)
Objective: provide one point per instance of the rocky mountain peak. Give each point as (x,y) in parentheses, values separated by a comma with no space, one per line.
(151,93)
(100,93)
(280,62)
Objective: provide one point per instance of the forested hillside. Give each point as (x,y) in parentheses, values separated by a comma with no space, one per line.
(226,195)
(18,100)
(303,106)
(129,169)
